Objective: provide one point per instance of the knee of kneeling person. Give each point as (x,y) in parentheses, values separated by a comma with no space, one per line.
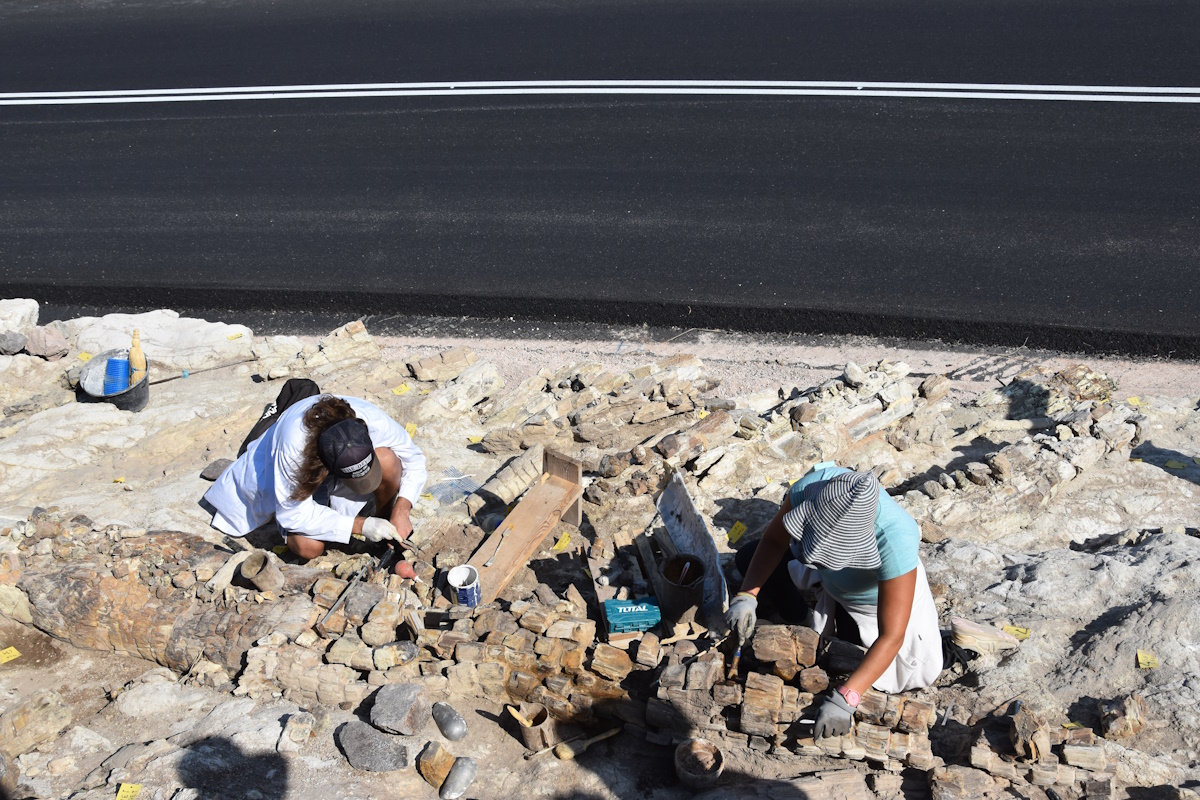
(304,546)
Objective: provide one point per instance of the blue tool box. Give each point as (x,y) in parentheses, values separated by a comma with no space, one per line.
(629,616)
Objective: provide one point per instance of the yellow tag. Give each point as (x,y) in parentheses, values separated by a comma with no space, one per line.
(792,482)
(280,549)
(736,532)
(85,356)
(562,543)
(1072,726)
(8,654)
(427,495)
(426,391)
(474,439)
(411,429)
(230,337)
(1134,401)
(128,791)
(118,480)
(1136,459)
(402,389)
(702,413)
(1017,633)
(1147,660)
(1174,464)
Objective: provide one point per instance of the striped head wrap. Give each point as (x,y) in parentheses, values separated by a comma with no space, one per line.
(835,523)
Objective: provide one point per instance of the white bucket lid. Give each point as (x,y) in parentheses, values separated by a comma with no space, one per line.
(462,577)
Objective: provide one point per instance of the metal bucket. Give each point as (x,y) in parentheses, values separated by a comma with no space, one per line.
(683,588)
(91,384)
(544,731)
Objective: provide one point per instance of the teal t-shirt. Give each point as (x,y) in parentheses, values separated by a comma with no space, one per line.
(896,533)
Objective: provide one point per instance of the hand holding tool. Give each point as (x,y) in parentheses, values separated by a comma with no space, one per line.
(377,529)
(835,718)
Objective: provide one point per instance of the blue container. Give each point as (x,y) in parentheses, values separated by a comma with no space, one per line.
(627,616)
(116,375)
(464,581)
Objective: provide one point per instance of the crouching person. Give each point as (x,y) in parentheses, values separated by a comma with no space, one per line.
(853,546)
(329,468)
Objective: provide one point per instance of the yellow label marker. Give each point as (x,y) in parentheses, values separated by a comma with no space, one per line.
(1134,401)
(411,429)
(1020,634)
(427,495)
(8,654)
(426,391)
(1072,726)
(119,480)
(230,337)
(562,543)
(401,390)
(1146,660)
(736,532)
(1138,460)
(129,791)
(85,356)
(1174,464)
(702,413)
(280,549)
(474,439)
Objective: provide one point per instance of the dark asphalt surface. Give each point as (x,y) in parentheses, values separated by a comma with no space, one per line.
(1070,225)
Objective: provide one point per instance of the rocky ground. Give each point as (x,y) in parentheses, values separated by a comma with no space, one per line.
(1053,497)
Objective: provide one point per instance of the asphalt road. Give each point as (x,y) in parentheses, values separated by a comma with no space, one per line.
(1061,224)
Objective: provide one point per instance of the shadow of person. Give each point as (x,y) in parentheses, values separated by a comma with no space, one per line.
(1174,463)
(217,768)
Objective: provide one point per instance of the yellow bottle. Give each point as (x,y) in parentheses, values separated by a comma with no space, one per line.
(137,360)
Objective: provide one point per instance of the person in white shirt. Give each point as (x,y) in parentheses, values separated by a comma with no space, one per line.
(329,468)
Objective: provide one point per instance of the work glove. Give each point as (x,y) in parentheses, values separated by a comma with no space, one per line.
(377,529)
(835,718)
(742,616)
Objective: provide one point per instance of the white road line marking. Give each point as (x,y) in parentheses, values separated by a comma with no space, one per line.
(947,91)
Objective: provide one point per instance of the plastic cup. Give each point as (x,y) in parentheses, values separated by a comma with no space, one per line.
(116,375)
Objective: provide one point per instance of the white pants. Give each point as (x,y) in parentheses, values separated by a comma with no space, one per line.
(919,661)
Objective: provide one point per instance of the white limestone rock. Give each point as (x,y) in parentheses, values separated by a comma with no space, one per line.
(170,341)
(18,314)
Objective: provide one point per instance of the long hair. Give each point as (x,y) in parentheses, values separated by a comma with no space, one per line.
(323,415)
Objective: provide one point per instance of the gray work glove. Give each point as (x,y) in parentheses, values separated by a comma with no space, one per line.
(835,718)
(742,616)
(377,529)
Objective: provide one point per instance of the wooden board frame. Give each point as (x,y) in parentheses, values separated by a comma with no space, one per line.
(555,497)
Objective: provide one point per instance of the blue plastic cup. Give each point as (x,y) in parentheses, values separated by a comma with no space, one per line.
(116,375)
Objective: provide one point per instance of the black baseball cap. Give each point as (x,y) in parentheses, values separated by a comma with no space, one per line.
(347,452)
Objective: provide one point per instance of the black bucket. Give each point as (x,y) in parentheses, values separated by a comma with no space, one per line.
(91,384)
(683,588)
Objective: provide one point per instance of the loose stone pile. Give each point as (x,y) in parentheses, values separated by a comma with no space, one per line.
(972,474)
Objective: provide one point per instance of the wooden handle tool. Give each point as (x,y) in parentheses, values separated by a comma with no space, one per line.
(568,751)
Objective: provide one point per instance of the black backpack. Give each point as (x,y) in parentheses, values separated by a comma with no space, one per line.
(293,391)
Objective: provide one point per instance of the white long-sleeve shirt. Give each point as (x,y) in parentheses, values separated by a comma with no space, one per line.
(261,482)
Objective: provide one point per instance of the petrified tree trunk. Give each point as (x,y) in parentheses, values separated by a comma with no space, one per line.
(103,592)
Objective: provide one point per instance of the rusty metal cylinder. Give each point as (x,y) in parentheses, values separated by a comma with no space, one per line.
(261,570)
(682,588)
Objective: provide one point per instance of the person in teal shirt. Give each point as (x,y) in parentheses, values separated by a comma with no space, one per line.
(856,549)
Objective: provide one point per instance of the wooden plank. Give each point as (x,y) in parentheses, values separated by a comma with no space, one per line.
(559,466)
(522,531)
(649,563)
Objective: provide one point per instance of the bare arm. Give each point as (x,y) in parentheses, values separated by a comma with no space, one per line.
(771,548)
(894,609)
